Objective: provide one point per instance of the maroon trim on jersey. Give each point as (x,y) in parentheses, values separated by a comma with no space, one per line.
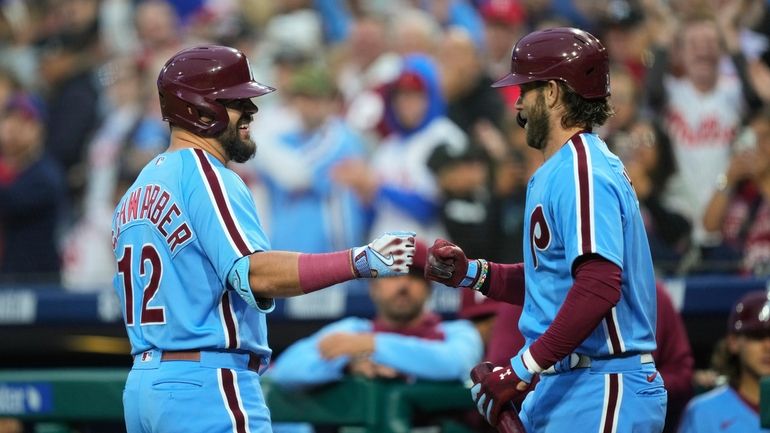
(221,203)
(227,315)
(232,400)
(612,330)
(612,403)
(585,193)
(750,405)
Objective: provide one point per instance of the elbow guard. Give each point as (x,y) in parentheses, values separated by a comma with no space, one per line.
(238,278)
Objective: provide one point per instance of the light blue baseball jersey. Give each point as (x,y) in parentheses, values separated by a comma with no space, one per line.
(720,410)
(177,232)
(580,201)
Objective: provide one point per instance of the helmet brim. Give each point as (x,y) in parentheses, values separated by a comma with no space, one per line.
(513,80)
(251,89)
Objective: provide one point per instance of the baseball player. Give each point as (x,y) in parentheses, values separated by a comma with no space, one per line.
(744,359)
(194,273)
(586,284)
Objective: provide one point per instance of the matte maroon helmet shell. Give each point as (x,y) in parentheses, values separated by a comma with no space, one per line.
(193,82)
(571,55)
(750,314)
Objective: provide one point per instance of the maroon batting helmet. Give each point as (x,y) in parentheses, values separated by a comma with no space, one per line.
(194,81)
(571,55)
(751,314)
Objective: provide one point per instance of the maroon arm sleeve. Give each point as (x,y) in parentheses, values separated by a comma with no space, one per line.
(505,283)
(593,294)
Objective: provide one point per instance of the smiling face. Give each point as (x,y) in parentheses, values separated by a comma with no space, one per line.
(701,53)
(235,140)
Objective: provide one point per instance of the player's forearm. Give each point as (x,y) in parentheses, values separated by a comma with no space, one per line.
(277,274)
(595,292)
(505,283)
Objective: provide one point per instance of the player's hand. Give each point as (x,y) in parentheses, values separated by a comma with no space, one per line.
(497,390)
(364,366)
(447,264)
(339,344)
(387,256)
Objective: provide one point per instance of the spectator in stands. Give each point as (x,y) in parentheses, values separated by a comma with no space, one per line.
(646,153)
(88,260)
(415,32)
(504,21)
(466,85)
(740,206)
(403,190)
(297,164)
(703,108)
(743,358)
(404,340)
(468,209)
(32,197)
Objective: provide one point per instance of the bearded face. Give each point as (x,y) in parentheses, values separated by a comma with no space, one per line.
(236,141)
(537,124)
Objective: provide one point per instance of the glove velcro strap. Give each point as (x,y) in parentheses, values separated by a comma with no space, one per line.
(471,275)
(360,262)
(525,366)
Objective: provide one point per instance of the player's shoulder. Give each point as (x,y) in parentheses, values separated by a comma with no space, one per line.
(715,399)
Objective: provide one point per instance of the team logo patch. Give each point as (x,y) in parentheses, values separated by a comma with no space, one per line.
(147,356)
(539,233)
(160,160)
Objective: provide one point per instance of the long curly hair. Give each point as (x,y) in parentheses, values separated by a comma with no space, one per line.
(583,112)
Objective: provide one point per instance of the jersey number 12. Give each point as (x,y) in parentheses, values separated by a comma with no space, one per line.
(150,256)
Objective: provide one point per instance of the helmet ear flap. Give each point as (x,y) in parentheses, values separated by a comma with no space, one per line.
(189,109)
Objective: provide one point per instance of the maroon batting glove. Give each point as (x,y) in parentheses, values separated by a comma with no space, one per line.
(446,263)
(496,391)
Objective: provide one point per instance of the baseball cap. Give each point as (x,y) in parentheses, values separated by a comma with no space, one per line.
(312,80)
(24,105)
(508,12)
(474,305)
(750,315)
(409,81)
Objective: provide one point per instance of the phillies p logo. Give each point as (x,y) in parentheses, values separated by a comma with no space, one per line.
(539,233)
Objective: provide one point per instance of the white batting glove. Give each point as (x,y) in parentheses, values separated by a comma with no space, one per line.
(387,256)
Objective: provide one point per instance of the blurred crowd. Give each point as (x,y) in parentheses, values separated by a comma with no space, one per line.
(384,118)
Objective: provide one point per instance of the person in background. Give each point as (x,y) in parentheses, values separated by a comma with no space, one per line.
(398,182)
(703,108)
(740,205)
(482,312)
(32,197)
(744,357)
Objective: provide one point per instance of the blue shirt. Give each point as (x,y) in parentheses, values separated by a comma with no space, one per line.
(720,410)
(580,201)
(448,359)
(177,232)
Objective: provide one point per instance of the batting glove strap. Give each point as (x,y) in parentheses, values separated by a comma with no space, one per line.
(471,275)
(525,366)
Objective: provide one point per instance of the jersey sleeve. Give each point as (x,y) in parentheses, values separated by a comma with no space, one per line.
(222,213)
(586,207)
(301,364)
(447,359)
